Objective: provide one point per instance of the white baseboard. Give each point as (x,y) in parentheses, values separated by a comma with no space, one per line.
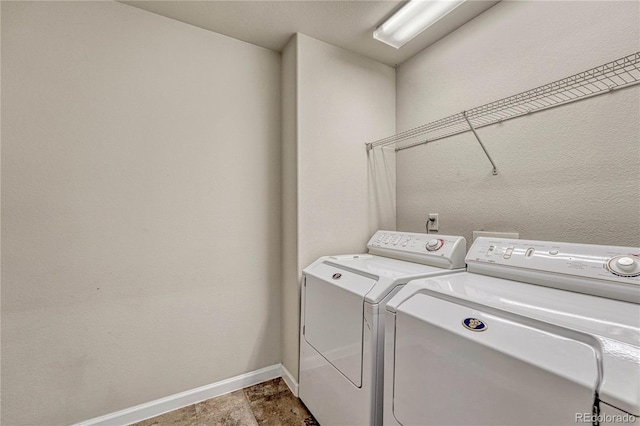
(183,399)
(290,380)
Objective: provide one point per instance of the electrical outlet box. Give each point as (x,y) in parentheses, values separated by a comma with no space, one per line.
(514,235)
(432,222)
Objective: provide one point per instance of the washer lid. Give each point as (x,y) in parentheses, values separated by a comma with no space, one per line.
(382,267)
(387,272)
(615,324)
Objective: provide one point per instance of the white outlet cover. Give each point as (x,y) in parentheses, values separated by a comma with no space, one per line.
(476,234)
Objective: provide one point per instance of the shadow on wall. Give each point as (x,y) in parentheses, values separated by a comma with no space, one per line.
(269,336)
(382,188)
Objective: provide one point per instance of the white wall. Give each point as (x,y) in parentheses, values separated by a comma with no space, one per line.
(341,101)
(567,174)
(140,209)
(290,266)
(344,100)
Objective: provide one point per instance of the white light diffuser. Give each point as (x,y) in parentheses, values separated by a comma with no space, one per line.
(412,19)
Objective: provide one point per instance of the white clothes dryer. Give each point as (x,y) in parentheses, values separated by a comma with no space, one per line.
(534,333)
(342,320)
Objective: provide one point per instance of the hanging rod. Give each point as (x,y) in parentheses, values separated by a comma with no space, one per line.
(623,72)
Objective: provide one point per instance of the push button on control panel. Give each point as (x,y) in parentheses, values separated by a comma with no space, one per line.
(508,252)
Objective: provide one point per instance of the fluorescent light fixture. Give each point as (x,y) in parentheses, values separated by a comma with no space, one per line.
(412,19)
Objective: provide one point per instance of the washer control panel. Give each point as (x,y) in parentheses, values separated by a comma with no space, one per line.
(417,247)
(612,263)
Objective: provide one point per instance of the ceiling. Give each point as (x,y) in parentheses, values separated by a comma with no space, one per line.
(346,24)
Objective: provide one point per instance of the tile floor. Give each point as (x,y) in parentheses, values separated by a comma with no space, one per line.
(268,403)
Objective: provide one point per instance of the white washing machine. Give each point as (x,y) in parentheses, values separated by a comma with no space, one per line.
(534,333)
(342,321)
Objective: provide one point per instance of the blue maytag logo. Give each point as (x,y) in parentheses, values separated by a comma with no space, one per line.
(474,324)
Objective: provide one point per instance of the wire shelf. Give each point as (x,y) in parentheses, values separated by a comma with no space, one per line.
(606,78)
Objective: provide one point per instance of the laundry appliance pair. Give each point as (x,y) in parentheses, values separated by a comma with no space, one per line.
(532,333)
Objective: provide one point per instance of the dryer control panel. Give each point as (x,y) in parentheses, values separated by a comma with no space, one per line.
(601,270)
(429,249)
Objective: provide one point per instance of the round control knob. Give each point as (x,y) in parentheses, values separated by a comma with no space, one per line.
(624,266)
(626,263)
(433,245)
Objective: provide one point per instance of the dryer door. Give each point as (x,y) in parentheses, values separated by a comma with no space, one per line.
(333,317)
(466,364)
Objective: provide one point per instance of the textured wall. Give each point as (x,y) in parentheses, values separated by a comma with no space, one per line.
(342,100)
(140,209)
(568,174)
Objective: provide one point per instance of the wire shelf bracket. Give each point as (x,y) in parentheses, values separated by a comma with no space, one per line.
(614,75)
(495,170)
